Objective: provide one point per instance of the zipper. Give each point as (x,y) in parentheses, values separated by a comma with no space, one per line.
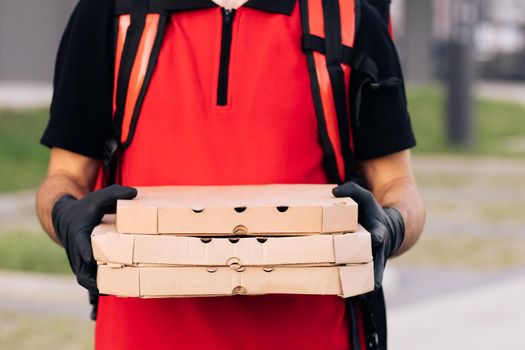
(226,43)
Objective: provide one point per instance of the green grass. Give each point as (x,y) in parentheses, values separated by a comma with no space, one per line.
(23,161)
(498,125)
(31,252)
(500,130)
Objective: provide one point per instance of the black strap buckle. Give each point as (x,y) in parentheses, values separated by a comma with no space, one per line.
(110,152)
(387,83)
(373,341)
(93,300)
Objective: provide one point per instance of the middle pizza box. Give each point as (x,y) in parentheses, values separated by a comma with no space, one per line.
(110,247)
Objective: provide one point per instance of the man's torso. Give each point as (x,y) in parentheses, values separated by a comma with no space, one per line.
(265,133)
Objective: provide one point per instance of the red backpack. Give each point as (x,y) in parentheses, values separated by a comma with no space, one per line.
(328,47)
(329,29)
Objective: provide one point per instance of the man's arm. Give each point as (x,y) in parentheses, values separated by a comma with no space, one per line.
(68,174)
(69,211)
(392,182)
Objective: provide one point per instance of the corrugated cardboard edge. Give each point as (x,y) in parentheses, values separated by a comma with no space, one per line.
(132,217)
(109,247)
(113,248)
(353,247)
(124,281)
(357,279)
(340,217)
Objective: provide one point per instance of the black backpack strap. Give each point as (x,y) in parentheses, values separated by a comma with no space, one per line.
(351,311)
(326,143)
(374,317)
(337,52)
(93,300)
(354,58)
(124,127)
(331,104)
(334,59)
(139,10)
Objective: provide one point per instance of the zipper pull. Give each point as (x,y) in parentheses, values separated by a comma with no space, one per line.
(228,14)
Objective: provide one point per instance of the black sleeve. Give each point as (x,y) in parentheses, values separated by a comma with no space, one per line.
(81,109)
(380,120)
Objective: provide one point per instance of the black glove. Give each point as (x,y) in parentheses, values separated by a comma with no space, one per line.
(386,225)
(74,220)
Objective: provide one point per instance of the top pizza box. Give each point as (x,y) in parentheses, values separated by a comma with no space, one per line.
(237,210)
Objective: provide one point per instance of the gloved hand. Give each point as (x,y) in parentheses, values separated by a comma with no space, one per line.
(74,220)
(386,225)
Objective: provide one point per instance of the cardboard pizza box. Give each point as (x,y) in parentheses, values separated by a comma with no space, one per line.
(164,282)
(237,210)
(131,249)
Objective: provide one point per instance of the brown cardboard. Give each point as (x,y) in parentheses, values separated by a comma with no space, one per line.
(127,249)
(237,210)
(151,282)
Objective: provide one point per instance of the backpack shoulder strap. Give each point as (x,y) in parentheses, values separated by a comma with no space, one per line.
(140,30)
(329,28)
(329,31)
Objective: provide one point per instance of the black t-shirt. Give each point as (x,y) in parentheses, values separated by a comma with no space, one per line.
(81,110)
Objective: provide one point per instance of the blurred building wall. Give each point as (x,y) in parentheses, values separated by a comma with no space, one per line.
(424,28)
(30,32)
(418,64)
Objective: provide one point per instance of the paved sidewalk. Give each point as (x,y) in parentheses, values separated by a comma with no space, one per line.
(472,195)
(406,285)
(42,294)
(17,211)
(490,317)
(502,90)
(25,94)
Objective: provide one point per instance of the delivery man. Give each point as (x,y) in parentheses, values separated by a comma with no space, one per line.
(229,102)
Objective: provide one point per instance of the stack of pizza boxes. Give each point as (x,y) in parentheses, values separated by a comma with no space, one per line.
(233,240)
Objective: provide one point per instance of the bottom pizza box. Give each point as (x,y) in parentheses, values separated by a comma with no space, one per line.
(165,282)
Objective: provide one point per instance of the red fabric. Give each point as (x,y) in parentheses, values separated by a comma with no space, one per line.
(266,134)
(240,322)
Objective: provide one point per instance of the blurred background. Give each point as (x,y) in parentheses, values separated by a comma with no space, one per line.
(461,287)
